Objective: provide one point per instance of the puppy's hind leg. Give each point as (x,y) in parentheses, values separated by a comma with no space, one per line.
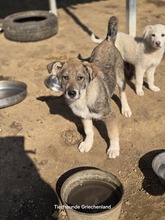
(125,109)
(87,144)
(139,80)
(113,133)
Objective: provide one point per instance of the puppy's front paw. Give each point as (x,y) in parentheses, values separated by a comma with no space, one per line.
(127,112)
(139,92)
(155,88)
(84,147)
(113,150)
(113,153)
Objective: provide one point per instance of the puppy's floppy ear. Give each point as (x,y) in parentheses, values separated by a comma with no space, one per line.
(55,67)
(91,69)
(146,30)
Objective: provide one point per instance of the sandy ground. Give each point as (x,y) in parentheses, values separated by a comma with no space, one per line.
(35,152)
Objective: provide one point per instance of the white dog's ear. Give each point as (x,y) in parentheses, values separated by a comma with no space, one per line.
(91,70)
(55,67)
(146,30)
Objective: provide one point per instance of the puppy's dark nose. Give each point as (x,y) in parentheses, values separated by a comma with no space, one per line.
(157,43)
(72,93)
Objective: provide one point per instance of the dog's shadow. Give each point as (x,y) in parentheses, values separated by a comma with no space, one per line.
(58,106)
(129,72)
(151,182)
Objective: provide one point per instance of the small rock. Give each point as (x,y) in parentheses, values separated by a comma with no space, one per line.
(71,137)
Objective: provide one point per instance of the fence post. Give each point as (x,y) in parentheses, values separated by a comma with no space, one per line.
(53,6)
(131,17)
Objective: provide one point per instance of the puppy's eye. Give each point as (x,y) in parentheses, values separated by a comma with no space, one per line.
(153,35)
(66,78)
(163,35)
(80,78)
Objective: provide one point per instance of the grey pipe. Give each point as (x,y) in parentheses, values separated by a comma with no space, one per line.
(131,17)
(53,6)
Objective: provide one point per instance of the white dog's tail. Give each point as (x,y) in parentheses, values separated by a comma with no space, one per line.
(96,40)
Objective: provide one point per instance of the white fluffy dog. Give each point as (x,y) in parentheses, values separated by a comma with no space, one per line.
(144,53)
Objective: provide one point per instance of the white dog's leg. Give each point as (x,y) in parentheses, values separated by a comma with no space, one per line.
(113,133)
(150,80)
(139,80)
(87,144)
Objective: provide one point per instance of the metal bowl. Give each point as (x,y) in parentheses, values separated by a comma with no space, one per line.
(158,165)
(52,83)
(12,92)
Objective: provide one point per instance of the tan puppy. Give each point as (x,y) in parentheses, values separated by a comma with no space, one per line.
(88,88)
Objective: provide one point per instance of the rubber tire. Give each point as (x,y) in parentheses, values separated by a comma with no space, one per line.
(30,26)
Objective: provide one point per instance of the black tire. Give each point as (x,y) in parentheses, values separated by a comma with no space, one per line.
(30,26)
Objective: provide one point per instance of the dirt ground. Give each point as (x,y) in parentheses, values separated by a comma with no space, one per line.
(36,154)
